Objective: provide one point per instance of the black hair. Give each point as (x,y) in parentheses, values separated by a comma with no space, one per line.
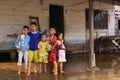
(25,27)
(43,34)
(58,34)
(53,28)
(33,23)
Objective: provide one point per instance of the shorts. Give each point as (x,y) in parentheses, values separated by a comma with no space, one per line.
(33,56)
(61,56)
(43,59)
(52,57)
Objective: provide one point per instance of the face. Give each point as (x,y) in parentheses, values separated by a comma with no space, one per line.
(60,37)
(52,31)
(44,38)
(25,31)
(33,27)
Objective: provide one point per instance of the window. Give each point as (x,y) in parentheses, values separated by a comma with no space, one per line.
(100,19)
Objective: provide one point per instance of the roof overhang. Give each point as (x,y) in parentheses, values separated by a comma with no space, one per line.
(114,2)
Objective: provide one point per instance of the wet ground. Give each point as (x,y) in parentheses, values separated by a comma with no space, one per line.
(77,68)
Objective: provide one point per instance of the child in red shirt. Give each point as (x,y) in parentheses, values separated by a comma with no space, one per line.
(52,57)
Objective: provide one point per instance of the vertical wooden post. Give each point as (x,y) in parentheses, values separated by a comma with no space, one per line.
(91,36)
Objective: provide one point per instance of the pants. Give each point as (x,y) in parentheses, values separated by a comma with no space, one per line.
(20,57)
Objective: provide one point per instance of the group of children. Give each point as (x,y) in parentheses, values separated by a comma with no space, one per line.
(40,48)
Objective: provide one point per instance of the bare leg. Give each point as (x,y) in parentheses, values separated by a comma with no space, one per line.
(55,67)
(26,71)
(61,67)
(40,68)
(45,67)
(35,67)
(29,68)
(19,70)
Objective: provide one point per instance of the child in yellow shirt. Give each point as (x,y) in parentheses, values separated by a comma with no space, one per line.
(42,53)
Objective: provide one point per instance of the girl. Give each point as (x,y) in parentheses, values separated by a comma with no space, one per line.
(61,52)
(42,53)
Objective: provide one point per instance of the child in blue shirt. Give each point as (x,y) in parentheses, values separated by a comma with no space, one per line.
(33,46)
(22,45)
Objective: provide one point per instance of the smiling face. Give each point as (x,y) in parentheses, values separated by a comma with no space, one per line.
(52,31)
(60,37)
(25,31)
(43,38)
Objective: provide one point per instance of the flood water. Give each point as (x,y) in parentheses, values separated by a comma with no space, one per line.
(76,68)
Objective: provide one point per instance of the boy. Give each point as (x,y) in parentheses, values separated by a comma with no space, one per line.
(22,45)
(33,46)
(52,41)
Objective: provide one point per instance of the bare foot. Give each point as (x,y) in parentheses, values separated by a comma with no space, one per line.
(62,72)
(40,72)
(19,72)
(35,71)
(55,73)
(28,73)
(45,71)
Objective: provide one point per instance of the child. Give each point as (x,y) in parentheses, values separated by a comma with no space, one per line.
(61,52)
(33,46)
(22,44)
(52,41)
(43,54)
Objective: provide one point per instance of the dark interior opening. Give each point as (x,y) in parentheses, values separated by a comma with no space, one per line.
(56,17)
(119,24)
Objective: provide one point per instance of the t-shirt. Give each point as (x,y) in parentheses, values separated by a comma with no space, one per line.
(53,40)
(34,39)
(23,43)
(59,43)
(43,47)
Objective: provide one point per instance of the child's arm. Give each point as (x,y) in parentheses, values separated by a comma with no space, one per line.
(28,47)
(17,44)
(54,45)
(38,52)
(28,44)
(61,43)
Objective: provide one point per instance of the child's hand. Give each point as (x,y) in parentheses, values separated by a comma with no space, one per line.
(19,49)
(27,49)
(52,47)
(38,55)
(18,38)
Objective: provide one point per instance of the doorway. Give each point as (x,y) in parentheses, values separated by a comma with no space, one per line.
(119,24)
(56,18)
